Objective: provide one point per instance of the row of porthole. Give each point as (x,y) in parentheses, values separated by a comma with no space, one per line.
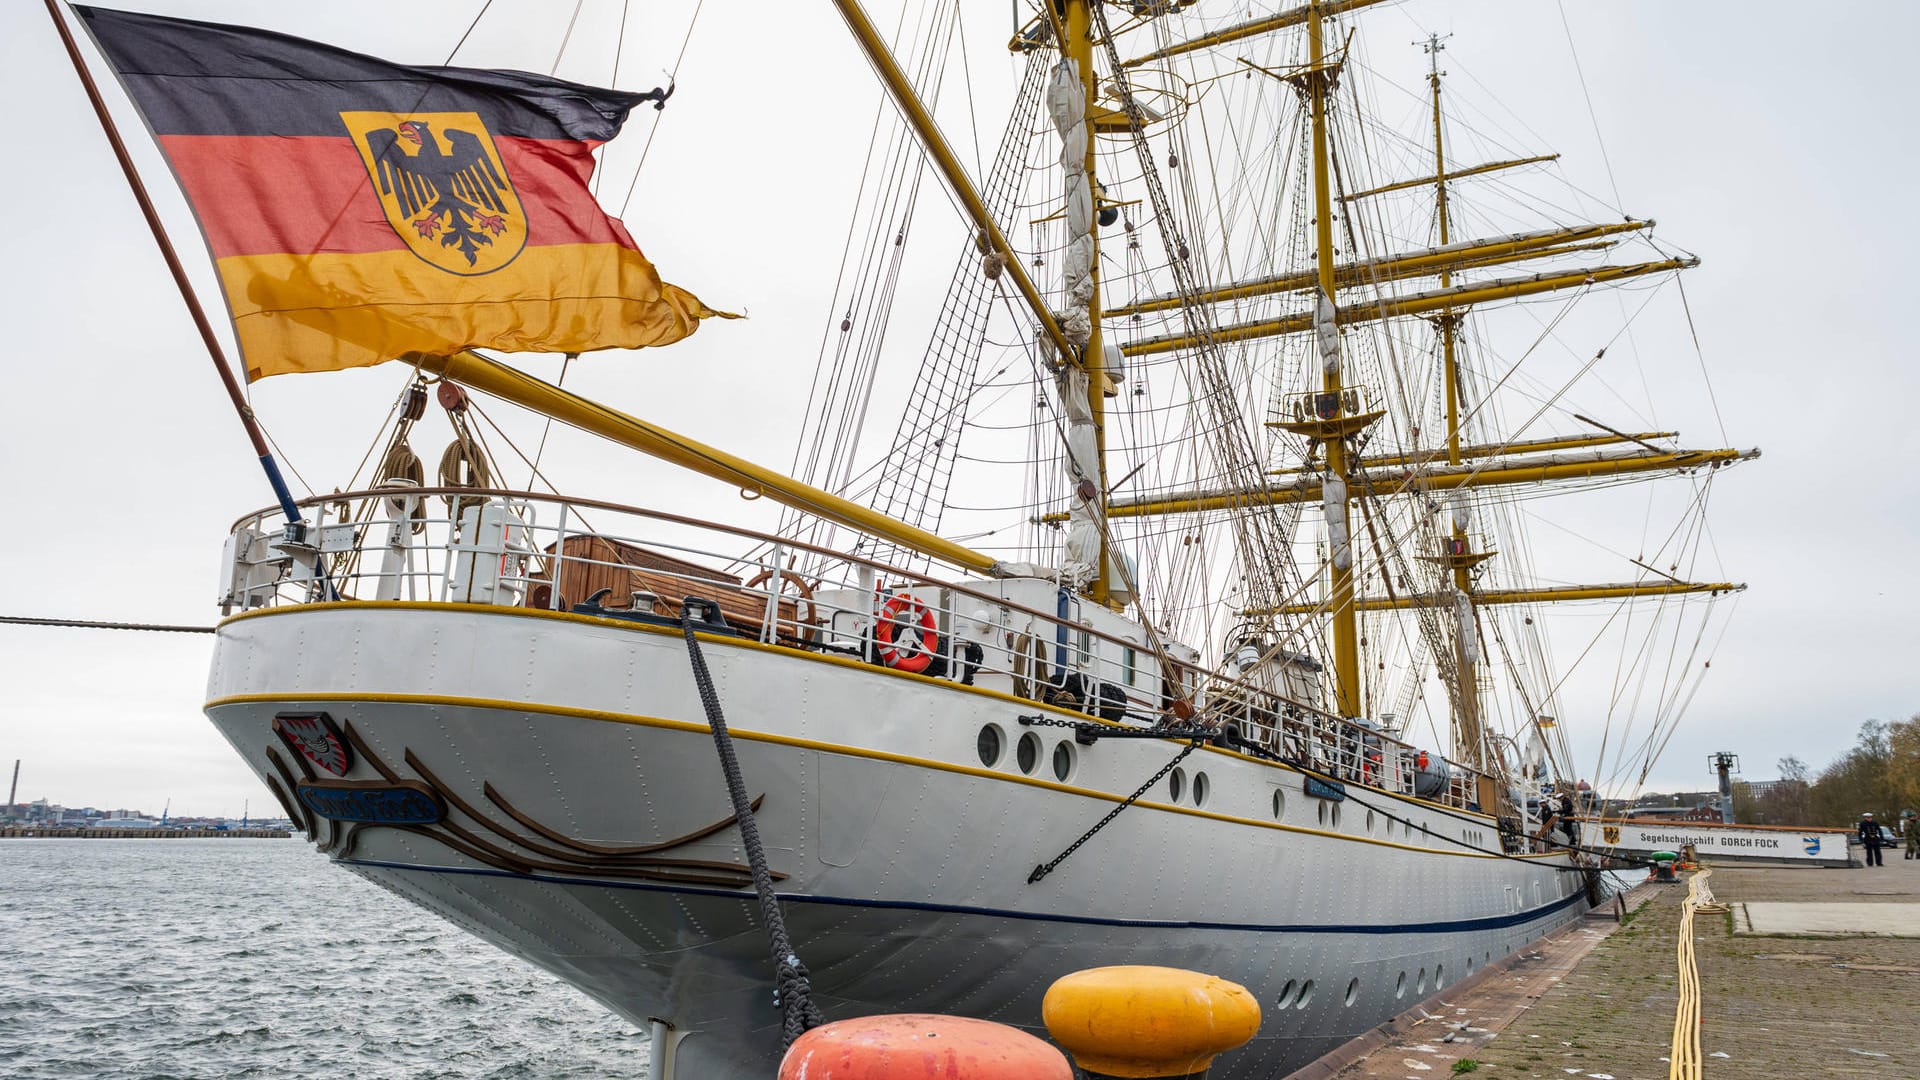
(1299,995)
(1202,786)
(1329,813)
(992,744)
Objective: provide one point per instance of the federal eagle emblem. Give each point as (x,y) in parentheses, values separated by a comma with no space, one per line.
(313,736)
(1610,834)
(442,186)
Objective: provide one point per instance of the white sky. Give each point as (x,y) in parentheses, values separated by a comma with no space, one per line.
(1789,169)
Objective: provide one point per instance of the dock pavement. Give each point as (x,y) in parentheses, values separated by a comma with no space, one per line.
(1810,972)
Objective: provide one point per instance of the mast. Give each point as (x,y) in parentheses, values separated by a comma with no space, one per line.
(1346,635)
(1459,556)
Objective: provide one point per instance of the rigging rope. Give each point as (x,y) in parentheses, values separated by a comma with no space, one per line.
(793,991)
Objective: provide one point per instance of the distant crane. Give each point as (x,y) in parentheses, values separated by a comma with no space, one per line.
(1725,764)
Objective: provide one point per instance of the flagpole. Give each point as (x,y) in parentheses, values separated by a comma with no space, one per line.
(214,351)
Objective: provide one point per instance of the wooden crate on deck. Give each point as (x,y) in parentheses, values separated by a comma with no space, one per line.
(590,563)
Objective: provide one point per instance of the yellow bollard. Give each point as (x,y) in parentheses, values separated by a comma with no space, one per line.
(1148,1022)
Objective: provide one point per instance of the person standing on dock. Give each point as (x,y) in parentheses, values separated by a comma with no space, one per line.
(1870,840)
(1910,828)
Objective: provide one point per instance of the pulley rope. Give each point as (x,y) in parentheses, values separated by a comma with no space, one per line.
(792,989)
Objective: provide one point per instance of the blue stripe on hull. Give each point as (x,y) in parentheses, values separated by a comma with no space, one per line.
(1495,922)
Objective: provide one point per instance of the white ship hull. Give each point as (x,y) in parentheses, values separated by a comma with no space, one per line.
(905,857)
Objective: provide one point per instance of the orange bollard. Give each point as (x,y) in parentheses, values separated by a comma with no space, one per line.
(1148,1022)
(921,1046)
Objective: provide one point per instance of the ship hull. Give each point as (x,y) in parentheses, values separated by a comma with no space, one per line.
(585,827)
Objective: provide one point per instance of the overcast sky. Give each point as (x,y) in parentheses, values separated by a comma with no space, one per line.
(1776,145)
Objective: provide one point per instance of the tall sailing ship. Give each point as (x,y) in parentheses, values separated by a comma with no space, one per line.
(1250,675)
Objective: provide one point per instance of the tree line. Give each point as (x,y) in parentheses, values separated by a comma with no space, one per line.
(1879,774)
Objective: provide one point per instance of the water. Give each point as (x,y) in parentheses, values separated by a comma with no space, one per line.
(231,958)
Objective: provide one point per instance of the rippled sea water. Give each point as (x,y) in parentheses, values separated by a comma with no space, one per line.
(230,958)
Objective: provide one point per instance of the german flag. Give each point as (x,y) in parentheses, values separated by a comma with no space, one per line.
(358,209)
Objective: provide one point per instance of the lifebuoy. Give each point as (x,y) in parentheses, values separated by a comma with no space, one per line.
(906,635)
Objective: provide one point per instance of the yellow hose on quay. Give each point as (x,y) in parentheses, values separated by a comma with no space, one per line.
(1684,1059)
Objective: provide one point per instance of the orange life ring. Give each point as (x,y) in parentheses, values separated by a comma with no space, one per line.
(906,643)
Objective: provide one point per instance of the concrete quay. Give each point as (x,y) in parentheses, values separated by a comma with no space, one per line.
(41,832)
(1811,972)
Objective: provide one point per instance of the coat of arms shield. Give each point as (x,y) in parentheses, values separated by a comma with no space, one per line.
(315,737)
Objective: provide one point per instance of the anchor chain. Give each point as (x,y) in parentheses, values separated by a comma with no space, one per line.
(1198,740)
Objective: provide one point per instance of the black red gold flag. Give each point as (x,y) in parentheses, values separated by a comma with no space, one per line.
(359,209)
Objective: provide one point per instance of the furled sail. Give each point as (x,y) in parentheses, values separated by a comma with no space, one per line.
(1067,105)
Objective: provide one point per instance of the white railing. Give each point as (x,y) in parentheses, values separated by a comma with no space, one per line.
(527,550)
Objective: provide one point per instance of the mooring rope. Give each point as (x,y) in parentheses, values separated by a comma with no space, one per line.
(1683,1060)
(793,992)
(87,624)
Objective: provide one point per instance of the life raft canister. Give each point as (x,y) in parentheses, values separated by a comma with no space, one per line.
(906,634)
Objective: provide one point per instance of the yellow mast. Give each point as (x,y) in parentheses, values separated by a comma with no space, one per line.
(1346,633)
(1476,170)
(948,162)
(1472,748)
(469,368)
(1625,590)
(1439,478)
(1421,303)
(1470,255)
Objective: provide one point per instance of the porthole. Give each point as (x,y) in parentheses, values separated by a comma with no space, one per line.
(1202,787)
(1177,784)
(1323,813)
(1469,967)
(1420,982)
(1439,976)
(990,744)
(1353,992)
(1279,803)
(1062,760)
(1306,994)
(1027,754)
(1400,986)
(1286,995)
(1334,816)
(1369,823)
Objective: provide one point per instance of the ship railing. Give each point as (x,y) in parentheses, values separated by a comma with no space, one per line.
(500,547)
